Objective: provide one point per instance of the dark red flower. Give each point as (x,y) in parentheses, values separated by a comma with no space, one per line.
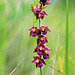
(33,31)
(44,29)
(40,49)
(42,40)
(44,2)
(46,55)
(41,14)
(38,12)
(39,62)
(36,8)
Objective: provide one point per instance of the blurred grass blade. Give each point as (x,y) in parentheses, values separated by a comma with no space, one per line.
(34,2)
(66,50)
(72,61)
(56,53)
(16,67)
(55,69)
(33,14)
(61,66)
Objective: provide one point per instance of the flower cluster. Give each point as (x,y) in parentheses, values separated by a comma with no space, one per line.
(38,11)
(36,32)
(41,50)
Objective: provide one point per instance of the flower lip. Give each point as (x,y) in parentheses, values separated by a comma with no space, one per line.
(45,56)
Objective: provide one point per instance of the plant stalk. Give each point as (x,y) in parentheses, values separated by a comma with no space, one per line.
(40,71)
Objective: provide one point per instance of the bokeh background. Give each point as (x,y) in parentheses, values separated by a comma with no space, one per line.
(16,19)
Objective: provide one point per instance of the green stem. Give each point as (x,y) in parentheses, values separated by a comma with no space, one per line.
(40,71)
(39,23)
(66,50)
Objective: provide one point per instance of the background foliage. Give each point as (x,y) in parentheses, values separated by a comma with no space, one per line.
(16,19)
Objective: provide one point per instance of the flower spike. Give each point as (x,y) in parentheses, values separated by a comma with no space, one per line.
(41,50)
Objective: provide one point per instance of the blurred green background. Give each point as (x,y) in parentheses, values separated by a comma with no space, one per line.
(16,19)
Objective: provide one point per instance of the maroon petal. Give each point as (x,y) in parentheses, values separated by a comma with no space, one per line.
(39,65)
(43,61)
(45,56)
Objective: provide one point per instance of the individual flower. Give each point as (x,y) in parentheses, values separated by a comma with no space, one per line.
(40,49)
(39,62)
(36,8)
(42,40)
(44,29)
(38,12)
(44,2)
(46,55)
(33,31)
(41,14)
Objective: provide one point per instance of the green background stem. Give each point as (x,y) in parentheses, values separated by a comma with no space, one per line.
(33,14)
(66,50)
